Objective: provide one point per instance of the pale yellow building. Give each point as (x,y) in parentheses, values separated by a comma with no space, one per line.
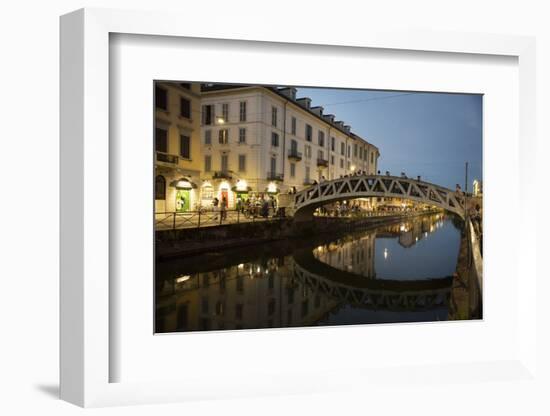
(177,146)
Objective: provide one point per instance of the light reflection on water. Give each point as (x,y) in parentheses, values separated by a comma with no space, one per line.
(354,279)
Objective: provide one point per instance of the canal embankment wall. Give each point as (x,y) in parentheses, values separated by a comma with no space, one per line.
(195,241)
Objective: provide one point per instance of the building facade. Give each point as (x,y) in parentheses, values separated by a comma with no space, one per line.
(258,141)
(178,160)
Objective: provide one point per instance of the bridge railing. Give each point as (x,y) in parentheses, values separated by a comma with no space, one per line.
(210,218)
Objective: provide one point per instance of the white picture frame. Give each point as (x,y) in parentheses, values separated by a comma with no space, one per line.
(86,301)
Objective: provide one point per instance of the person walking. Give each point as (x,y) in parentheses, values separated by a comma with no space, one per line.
(223,209)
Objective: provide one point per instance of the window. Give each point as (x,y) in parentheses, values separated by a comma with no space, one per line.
(305,307)
(273,165)
(293,147)
(309,133)
(160,187)
(321,155)
(225,163)
(185,146)
(242,111)
(207,163)
(225,112)
(332,144)
(207,115)
(161,98)
(342,163)
(332,159)
(293,170)
(355,150)
(223,136)
(307,173)
(271,307)
(161,140)
(242,135)
(342,149)
(242,163)
(348,165)
(274,140)
(349,150)
(208,137)
(204,305)
(239,311)
(293,126)
(185,107)
(185,85)
(372,158)
(307,151)
(321,137)
(240,284)
(274,116)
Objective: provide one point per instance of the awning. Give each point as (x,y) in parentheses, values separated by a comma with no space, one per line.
(183,183)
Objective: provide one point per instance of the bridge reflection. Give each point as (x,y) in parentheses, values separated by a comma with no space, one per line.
(296,284)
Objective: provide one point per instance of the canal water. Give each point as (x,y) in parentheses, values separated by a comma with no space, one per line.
(399,272)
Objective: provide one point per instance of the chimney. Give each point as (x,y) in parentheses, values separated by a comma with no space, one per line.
(339,124)
(288,92)
(329,117)
(317,110)
(304,102)
(347,128)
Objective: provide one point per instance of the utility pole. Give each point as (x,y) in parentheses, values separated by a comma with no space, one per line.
(466,179)
(466,189)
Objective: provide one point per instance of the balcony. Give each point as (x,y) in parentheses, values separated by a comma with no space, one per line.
(222,174)
(322,163)
(273,176)
(167,159)
(294,155)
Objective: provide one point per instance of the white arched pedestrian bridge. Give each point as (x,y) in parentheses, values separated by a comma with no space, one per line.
(305,202)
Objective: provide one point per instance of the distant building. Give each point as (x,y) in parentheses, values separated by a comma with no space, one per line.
(477,188)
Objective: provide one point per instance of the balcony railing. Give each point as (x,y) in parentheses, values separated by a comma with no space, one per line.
(167,158)
(294,155)
(273,176)
(322,162)
(222,174)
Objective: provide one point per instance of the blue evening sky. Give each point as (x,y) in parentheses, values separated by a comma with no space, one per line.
(427,134)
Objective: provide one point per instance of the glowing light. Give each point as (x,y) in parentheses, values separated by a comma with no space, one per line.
(242,185)
(385,253)
(241,266)
(224,185)
(220,120)
(184,184)
(182,279)
(416,239)
(272,187)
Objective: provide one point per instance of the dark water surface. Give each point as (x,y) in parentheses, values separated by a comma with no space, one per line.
(394,273)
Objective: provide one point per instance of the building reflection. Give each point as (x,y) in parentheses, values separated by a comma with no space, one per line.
(351,254)
(247,295)
(355,254)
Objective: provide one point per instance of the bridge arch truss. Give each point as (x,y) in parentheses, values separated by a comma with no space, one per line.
(363,186)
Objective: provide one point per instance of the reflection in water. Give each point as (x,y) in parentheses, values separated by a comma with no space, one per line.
(394,273)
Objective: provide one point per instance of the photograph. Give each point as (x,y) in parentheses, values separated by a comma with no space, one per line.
(281,206)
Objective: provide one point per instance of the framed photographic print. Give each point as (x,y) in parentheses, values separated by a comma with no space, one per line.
(244,216)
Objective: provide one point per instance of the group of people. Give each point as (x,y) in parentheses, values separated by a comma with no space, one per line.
(256,206)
